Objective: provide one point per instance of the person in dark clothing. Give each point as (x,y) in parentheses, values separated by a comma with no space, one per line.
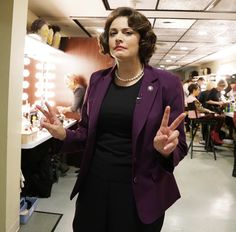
(203,96)
(133,131)
(214,103)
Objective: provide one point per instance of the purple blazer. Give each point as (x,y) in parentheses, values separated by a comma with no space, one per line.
(154,185)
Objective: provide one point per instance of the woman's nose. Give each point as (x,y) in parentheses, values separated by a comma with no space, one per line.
(119,37)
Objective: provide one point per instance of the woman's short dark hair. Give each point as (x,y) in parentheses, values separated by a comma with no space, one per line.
(139,23)
(193,87)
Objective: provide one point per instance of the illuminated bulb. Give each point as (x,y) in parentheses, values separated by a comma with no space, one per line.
(25,96)
(26,73)
(100,30)
(38,94)
(39,85)
(25,84)
(39,75)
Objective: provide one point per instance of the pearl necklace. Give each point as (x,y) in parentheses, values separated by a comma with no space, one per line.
(130,79)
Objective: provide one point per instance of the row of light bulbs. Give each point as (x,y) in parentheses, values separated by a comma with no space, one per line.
(43,85)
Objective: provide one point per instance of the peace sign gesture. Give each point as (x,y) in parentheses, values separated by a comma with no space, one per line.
(52,123)
(166,138)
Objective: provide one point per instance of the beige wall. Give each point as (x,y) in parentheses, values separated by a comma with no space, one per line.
(12,30)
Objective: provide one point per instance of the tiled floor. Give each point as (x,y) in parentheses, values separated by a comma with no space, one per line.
(208,202)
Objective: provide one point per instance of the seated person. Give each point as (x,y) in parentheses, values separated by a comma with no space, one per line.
(194,91)
(204,94)
(77,84)
(214,101)
(202,112)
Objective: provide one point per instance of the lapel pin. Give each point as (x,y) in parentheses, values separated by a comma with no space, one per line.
(150,88)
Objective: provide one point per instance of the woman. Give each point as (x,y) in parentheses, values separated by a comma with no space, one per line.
(196,110)
(194,91)
(132,126)
(77,84)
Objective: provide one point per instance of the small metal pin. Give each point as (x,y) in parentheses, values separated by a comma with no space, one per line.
(150,88)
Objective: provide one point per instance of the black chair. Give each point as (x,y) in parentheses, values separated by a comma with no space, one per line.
(195,122)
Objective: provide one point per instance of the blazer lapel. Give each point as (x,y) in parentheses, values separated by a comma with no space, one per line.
(144,102)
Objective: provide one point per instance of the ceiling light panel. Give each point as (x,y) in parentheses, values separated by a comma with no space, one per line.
(167,34)
(174,23)
(138,4)
(189,46)
(183,4)
(92,22)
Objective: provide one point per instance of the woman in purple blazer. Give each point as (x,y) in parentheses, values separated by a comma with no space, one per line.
(133,133)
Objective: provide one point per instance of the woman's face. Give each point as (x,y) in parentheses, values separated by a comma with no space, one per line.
(123,40)
(196,92)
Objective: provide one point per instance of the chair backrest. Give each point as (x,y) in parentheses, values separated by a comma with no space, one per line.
(192,111)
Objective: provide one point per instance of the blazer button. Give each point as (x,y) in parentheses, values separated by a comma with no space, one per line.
(135,180)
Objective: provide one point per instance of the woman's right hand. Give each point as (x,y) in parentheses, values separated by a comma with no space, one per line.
(52,123)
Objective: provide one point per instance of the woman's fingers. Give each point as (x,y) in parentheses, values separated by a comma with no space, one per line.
(50,110)
(177,121)
(170,147)
(165,118)
(173,136)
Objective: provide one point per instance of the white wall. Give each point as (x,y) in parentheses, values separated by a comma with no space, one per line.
(13,14)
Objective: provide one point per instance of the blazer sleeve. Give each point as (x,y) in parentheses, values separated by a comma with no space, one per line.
(176,102)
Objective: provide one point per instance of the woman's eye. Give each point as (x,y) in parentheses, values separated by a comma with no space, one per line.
(112,33)
(129,32)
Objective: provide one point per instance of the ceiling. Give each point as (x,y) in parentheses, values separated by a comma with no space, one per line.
(189,32)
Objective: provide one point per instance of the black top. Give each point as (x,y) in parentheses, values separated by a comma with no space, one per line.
(112,158)
(203,97)
(214,95)
(78,99)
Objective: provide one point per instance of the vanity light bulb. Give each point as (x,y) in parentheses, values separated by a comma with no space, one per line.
(26,73)
(25,84)
(38,94)
(25,96)
(38,85)
(39,66)
(38,75)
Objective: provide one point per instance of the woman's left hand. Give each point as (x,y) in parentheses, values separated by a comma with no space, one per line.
(166,138)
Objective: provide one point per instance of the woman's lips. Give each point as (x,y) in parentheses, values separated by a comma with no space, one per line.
(119,48)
